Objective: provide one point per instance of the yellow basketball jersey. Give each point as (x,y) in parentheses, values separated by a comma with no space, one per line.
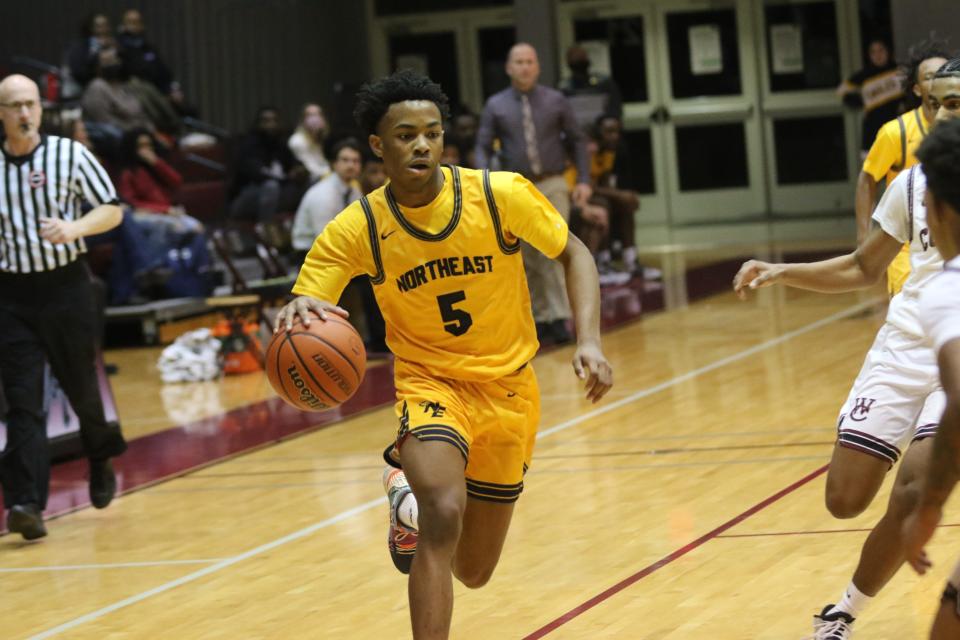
(892,150)
(448,276)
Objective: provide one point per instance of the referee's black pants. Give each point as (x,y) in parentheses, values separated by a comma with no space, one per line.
(50,317)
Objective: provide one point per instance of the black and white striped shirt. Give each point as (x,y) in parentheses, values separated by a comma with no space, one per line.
(54,181)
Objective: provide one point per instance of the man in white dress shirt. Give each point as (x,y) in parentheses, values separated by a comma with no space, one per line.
(328,197)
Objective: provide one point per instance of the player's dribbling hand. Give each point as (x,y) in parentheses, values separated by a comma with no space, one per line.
(591,365)
(755,274)
(304,307)
(918,528)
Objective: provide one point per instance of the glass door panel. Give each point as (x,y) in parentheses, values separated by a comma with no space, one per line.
(811,154)
(619,37)
(714,147)
(434,54)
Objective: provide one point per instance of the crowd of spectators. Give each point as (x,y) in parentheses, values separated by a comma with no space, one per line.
(125,104)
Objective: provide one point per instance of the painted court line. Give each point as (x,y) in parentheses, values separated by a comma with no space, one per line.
(682,551)
(108,565)
(674,465)
(344,515)
(223,564)
(694,436)
(772,534)
(676,450)
(713,366)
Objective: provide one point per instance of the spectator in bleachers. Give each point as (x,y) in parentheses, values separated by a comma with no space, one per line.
(75,129)
(132,267)
(591,223)
(141,58)
(616,185)
(464,125)
(306,143)
(81,56)
(150,78)
(372,175)
(147,182)
(170,238)
(267,178)
(876,89)
(328,197)
(591,94)
(109,106)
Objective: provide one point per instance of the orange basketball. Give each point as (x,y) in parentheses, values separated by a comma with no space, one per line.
(317,367)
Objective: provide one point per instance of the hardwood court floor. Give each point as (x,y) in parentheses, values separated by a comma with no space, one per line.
(647,506)
(146,407)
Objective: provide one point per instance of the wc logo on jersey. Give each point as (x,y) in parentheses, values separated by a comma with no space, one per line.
(861,407)
(36,179)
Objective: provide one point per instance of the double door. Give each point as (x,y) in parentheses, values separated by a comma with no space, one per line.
(729,105)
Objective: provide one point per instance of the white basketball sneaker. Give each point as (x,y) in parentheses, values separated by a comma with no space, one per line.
(832,626)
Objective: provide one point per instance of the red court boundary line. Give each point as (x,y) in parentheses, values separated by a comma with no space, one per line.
(682,551)
(771,534)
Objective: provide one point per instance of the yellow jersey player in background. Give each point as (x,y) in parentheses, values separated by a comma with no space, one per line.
(893,149)
(441,246)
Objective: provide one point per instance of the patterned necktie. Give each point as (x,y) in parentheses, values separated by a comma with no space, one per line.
(530,137)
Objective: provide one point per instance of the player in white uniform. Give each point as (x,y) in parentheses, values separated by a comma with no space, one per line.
(940,314)
(896,401)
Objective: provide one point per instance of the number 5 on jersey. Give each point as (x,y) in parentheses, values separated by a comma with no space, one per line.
(455,321)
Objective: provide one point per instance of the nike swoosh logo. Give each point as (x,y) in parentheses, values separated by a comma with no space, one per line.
(384,236)
(510,394)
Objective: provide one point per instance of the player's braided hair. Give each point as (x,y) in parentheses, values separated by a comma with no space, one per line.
(375,98)
(940,155)
(923,50)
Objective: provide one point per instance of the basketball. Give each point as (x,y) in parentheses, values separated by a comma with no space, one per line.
(318,367)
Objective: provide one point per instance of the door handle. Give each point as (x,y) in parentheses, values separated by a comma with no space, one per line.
(660,115)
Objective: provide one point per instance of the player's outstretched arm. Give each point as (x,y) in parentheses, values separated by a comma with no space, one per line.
(305,307)
(943,472)
(583,288)
(858,270)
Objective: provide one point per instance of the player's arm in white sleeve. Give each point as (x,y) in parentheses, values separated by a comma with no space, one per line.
(940,316)
(857,270)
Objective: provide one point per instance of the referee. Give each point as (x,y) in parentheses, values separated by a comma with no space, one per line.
(47,305)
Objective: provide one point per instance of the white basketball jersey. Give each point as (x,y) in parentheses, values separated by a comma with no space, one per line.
(902,214)
(940,306)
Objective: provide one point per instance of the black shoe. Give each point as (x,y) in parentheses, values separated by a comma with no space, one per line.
(558,329)
(103,483)
(27,520)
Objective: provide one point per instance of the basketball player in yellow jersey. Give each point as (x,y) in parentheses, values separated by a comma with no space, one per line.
(441,245)
(893,150)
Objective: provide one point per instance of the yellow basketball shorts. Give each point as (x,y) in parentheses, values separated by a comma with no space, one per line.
(492,424)
(898,271)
